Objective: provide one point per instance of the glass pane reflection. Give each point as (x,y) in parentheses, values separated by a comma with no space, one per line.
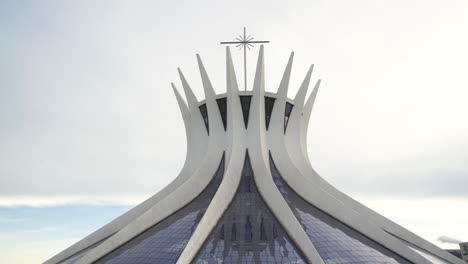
(335,242)
(164,242)
(248,232)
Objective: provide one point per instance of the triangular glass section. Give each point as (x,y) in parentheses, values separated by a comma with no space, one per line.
(222,110)
(165,241)
(248,232)
(334,241)
(204,113)
(287,113)
(269,103)
(245,104)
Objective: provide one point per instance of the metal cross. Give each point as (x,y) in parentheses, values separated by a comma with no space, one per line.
(245,42)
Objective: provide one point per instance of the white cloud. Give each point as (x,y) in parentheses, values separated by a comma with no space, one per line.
(49,228)
(46,201)
(449,240)
(12,219)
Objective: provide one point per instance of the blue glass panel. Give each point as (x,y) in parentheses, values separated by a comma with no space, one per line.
(335,242)
(248,232)
(165,241)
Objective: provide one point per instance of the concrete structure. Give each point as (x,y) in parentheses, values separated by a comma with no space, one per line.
(464,251)
(248,194)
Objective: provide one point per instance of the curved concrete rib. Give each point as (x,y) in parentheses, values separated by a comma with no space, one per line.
(284,84)
(214,118)
(258,151)
(233,173)
(305,119)
(292,136)
(301,93)
(277,114)
(303,162)
(313,194)
(188,191)
(198,143)
(324,201)
(195,145)
(191,98)
(202,161)
(183,108)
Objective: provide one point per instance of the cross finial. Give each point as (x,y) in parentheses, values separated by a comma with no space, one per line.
(245,42)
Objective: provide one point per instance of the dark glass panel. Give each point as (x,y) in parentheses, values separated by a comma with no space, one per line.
(165,241)
(222,110)
(245,104)
(248,232)
(204,113)
(287,113)
(269,103)
(334,241)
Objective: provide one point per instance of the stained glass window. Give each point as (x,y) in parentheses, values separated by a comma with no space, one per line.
(248,232)
(165,241)
(335,242)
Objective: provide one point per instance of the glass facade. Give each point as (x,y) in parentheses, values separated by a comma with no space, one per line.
(222,110)
(287,113)
(245,101)
(335,242)
(245,104)
(248,232)
(269,103)
(165,241)
(204,113)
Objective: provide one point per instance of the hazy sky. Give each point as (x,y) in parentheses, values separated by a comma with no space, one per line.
(89,125)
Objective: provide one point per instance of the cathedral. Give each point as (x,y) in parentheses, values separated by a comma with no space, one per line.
(248,193)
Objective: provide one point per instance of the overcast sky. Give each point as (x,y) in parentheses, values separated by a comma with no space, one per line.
(88,121)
